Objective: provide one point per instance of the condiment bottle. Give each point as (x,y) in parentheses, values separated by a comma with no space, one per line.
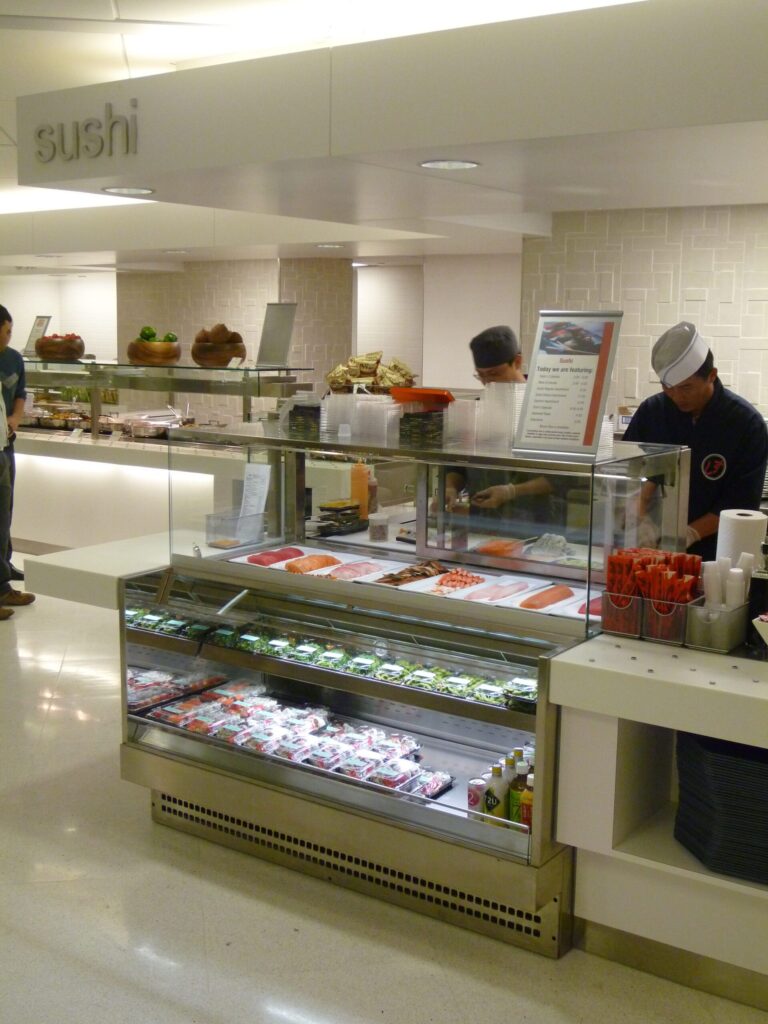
(373,493)
(359,487)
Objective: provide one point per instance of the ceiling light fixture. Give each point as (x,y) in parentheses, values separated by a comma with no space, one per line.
(449,165)
(329,245)
(356,265)
(175,252)
(128,190)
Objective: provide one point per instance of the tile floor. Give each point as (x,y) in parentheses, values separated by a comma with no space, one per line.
(106,917)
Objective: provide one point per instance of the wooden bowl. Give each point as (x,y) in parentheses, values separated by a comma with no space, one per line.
(211,354)
(154,353)
(60,348)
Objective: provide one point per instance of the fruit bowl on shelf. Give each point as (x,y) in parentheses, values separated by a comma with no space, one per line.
(60,346)
(149,349)
(217,347)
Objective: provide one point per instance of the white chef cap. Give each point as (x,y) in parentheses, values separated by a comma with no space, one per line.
(678,354)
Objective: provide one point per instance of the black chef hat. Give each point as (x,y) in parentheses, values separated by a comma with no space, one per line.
(494,346)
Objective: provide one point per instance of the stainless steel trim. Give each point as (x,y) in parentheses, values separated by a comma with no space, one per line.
(679,965)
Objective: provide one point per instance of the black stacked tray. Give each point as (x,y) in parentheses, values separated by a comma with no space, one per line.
(722,817)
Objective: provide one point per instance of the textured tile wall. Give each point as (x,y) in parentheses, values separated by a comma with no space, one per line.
(322,330)
(236,293)
(708,265)
(233,292)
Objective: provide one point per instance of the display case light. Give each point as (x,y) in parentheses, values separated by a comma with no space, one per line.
(128,190)
(449,165)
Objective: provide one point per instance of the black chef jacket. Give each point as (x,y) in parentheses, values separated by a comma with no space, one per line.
(729,450)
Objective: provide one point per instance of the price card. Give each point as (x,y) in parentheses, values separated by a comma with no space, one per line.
(255,489)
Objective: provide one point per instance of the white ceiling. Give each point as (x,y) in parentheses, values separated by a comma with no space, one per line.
(49,46)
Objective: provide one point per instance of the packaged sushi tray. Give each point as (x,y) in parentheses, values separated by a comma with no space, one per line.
(394,773)
(147,687)
(361,764)
(329,753)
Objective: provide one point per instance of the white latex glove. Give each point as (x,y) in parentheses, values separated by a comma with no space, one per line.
(451,497)
(691,537)
(647,533)
(494,497)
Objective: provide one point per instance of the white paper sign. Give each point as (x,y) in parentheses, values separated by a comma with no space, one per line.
(568,384)
(255,489)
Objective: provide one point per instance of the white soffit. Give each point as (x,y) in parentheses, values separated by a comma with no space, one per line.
(654,104)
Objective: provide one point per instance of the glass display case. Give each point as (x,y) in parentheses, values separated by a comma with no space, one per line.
(335,679)
(87,387)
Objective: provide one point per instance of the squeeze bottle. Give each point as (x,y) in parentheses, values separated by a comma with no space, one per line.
(359,487)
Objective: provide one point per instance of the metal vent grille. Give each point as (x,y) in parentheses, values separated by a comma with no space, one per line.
(520,927)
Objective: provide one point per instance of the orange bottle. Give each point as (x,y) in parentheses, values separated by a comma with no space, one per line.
(359,487)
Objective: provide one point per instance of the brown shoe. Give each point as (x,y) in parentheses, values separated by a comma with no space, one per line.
(5,613)
(16,598)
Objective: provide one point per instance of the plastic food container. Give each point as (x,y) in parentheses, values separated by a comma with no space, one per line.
(360,765)
(231,530)
(378,526)
(394,774)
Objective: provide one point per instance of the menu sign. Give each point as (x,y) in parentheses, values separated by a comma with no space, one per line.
(568,383)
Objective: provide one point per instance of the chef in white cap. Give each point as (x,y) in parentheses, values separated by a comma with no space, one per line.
(727,436)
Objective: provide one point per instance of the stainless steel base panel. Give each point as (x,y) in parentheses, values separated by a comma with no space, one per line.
(679,965)
(505,899)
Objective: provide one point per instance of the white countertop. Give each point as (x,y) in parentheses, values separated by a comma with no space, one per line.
(674,687)
(91,574)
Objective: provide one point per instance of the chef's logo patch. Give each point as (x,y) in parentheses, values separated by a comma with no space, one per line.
(713,466)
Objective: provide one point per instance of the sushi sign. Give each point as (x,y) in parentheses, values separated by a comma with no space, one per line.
(108,134)
(568,384)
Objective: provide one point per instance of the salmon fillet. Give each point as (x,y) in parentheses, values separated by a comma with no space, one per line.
(310,562)
(501,548)
(545,598)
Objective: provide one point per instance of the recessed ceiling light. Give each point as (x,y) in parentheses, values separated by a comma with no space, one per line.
(449,165)
(175,252)
(329,245)
(360,264)
(127,190)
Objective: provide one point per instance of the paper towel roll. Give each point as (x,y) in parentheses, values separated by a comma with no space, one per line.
(741,529)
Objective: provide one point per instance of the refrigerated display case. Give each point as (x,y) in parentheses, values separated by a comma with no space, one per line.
(336,719)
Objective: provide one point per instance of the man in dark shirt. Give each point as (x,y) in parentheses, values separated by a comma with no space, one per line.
(9,598)
(13,385)
(727,436)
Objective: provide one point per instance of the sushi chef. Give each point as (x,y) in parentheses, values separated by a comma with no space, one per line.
(727,436)
(498,358)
